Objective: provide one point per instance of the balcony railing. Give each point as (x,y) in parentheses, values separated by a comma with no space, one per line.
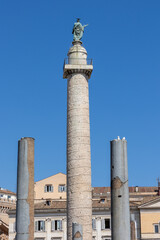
(75,61)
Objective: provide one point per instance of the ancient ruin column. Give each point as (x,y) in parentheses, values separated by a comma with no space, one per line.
(120,213)
(79,198)
(25,190)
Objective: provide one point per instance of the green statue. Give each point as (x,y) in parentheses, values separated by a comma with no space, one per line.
(78,30)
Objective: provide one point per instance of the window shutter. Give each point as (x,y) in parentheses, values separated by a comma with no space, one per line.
(65,189)
(59,188)
(41,225)
(102,224)
(51,188)
(36,226)
(45,188)
(60,225)
(53,225)
(14,227)
(44,226)
(94,223)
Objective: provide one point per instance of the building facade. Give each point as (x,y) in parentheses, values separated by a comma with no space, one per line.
(150,218)
(50,211)
(7,202)
(53,187)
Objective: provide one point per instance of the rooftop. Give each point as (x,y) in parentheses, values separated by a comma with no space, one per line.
(136,189)
(97,204)
(5,191)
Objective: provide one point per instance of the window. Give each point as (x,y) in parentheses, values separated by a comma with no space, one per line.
(156,228)
(55,238)
(40,226)
(56,225)
(48,188)
(94,224)
(48,202)
(62,188)
(105,223)
(39,239)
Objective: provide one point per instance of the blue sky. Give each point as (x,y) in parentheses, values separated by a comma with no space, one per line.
(123,38)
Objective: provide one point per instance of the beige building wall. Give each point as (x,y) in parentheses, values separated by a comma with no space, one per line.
(148,219)
(53,187)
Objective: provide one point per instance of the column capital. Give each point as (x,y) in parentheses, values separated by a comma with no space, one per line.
(69,69)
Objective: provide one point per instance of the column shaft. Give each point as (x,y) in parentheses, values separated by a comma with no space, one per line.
(119,191)
(79,200)
(25,190)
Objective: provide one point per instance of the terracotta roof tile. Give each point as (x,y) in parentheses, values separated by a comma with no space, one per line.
(5,191)
(149,199)
(104,190)
(51,204)
(100,203)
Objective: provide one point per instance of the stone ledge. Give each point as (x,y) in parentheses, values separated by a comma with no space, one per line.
(76,68)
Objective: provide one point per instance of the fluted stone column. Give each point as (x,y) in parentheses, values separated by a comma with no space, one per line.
(120,213)
(79,199)
(25,190)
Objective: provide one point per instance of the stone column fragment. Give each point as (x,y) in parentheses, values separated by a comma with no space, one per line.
(120,213)
(25,190)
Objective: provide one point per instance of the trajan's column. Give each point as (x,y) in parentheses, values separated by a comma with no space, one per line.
(79,199)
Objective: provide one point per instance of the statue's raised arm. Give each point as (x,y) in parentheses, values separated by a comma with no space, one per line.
(78,30)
